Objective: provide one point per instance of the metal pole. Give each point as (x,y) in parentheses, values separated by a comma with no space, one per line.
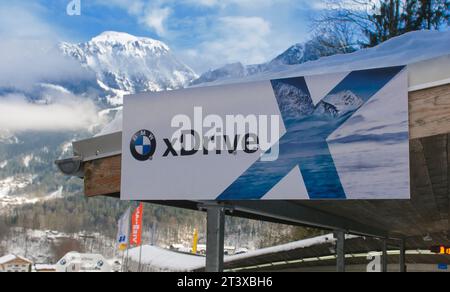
(340,251)
(215,238)
(403,268)
(385,257)
(122,264)
(140,258)
(126,266)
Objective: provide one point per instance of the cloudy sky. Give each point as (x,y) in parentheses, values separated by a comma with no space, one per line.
(203,33)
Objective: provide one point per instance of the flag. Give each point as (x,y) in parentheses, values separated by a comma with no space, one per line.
(136,226)
(123,233)
(195,242)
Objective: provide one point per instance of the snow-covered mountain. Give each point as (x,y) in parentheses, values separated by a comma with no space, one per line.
(124,63)
(326,109)
(297,54)
(345,101)
(340,103)
(294,103)
(115,64)
(228,71)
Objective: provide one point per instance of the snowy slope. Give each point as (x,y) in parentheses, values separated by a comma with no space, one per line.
(129,64)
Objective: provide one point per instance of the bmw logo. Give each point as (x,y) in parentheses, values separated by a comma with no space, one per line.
(143,145)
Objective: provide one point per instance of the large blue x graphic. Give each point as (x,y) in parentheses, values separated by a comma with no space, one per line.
(307,128)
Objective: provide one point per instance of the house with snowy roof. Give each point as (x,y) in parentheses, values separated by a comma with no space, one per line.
(14,263)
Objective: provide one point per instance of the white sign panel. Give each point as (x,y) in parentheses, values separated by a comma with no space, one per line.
(337,136)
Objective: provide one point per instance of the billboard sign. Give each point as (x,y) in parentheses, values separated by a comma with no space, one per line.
(335,136)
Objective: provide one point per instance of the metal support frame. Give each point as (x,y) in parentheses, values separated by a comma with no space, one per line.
(384,258)
(340,251)
(215,237)
(403,268)
(300,214)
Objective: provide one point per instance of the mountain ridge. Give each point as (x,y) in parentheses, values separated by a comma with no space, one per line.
(24,154)
(297,54)
(126,64)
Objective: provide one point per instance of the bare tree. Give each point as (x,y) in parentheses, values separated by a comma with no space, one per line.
(371,22)
(4,229)
(339,38)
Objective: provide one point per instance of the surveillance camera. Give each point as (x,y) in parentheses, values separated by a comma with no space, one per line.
(71,166)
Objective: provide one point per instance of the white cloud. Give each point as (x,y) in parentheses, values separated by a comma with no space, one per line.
(238,39)
(26,62)
(20,21)
(155,18)
(28,56)
(238,3)
(152,14)
(28,52)
(133,7)
(223,31)
(230,39)
(66,112)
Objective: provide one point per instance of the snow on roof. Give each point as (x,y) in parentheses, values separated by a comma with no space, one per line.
(329,238)
(166,260)
(44,267)
(8,258)
(410,48)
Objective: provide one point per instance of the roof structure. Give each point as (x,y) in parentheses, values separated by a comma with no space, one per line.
(313,252)
(44,267)
(166,260)
(9,258)
(320,251)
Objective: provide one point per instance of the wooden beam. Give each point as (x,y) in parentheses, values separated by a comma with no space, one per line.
(435,153)
(448,185)
(102,177)
(429,112)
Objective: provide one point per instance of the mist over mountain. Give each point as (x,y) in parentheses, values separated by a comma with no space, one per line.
(50,113)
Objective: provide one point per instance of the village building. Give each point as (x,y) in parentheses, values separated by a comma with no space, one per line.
(14,263)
